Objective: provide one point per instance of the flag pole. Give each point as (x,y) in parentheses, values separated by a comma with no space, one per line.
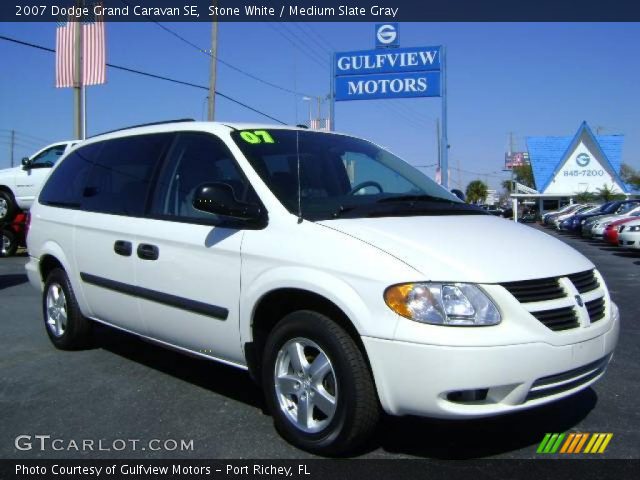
(77,78)
(84,111)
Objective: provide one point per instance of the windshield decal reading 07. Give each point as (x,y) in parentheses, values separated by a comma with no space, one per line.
(256,136)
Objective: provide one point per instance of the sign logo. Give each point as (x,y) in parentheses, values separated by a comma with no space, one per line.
(387,35)
(574,443)
(583,159)
(579,301)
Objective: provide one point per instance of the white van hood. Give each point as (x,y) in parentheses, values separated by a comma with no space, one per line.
(473,248)
(9,173)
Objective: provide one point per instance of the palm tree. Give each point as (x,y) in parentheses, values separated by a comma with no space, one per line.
(476,191)
(606,193)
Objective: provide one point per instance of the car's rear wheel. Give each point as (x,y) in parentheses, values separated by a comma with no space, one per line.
(9,244)
(318,385)
(7,206)
(67,328)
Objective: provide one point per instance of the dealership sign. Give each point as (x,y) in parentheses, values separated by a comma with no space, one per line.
(388,73)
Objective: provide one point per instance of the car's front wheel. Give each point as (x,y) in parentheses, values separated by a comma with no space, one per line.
(318,385)
(67,328)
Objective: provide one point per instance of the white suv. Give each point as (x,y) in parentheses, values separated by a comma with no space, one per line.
(324,265)
(19,186)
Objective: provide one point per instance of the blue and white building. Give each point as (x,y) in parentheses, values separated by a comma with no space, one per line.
(564,167)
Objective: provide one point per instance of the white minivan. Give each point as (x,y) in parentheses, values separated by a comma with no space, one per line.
(19,186)
(343,279)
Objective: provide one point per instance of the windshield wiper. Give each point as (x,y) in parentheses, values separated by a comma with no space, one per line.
(342,210)
(415,198)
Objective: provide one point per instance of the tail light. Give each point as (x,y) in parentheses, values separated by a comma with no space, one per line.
(27,222)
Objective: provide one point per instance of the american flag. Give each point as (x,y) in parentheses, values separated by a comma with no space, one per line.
(93,52)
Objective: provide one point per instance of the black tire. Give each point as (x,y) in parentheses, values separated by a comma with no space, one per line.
(356,404)
(9,243)
(7,206)
(76,331)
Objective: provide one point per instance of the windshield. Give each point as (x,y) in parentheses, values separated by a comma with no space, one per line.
(49,157)
(342,176)
(626,207)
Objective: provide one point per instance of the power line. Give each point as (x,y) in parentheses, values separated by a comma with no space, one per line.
(296,44)
(24,134)
(221,61)
(153,75)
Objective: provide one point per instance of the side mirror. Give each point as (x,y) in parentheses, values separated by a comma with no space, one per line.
(219,199)
(26,163)
(458,193)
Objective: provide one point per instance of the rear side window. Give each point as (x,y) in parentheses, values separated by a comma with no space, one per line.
(120,177)
(65,186)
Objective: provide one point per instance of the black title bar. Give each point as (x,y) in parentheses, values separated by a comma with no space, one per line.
(322,10)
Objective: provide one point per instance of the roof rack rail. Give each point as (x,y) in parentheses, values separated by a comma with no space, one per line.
(179,120)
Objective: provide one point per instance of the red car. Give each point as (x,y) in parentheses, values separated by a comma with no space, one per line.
(13,235)
(611,231)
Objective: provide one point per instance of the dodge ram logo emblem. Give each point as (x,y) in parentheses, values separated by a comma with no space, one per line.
(579,301)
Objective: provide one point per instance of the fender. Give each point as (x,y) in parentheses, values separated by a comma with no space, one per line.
(55,250)
(319,282)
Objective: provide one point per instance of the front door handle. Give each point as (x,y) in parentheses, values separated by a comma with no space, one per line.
(148,252)
(123,248)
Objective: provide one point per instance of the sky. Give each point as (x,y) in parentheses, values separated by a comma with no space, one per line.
(527,79)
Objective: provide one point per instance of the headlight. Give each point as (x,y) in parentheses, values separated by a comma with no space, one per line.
(583,222)
(634,228)
(457,304)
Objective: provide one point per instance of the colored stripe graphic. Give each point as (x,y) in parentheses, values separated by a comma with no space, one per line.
(551,443)
(574,442)
(582,442)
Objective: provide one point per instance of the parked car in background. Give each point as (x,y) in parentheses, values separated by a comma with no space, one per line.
(612,229)
(13,234)
(493,209)
(629,235)
(618,208)
(20,185)
(581,208)
(566,223)
(575,226)
(549,216)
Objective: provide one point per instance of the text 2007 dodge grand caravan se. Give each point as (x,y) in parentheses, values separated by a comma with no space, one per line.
(341,277)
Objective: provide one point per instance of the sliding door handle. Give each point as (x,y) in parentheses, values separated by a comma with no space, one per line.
(148,252)
(122,247)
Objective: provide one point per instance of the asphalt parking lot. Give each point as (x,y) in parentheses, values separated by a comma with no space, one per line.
(127,389)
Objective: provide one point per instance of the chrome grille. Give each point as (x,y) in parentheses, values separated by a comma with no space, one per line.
(535,290)
(584,281)
(558,319)
(595,309)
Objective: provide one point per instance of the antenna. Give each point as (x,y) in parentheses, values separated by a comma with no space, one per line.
(299,177)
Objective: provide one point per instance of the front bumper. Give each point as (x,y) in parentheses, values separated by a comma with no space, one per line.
(430,380)
(629,240)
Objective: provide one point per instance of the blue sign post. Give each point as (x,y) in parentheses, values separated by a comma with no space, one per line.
(391,73)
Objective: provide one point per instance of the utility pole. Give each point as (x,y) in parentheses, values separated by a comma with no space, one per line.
(444,154)
(439,144)
(12,145)
(77,77)
(513,180)
(213,65)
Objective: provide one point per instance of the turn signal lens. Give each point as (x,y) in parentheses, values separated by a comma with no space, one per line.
(442,304)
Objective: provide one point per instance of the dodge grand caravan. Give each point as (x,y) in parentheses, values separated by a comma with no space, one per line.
(325,266)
